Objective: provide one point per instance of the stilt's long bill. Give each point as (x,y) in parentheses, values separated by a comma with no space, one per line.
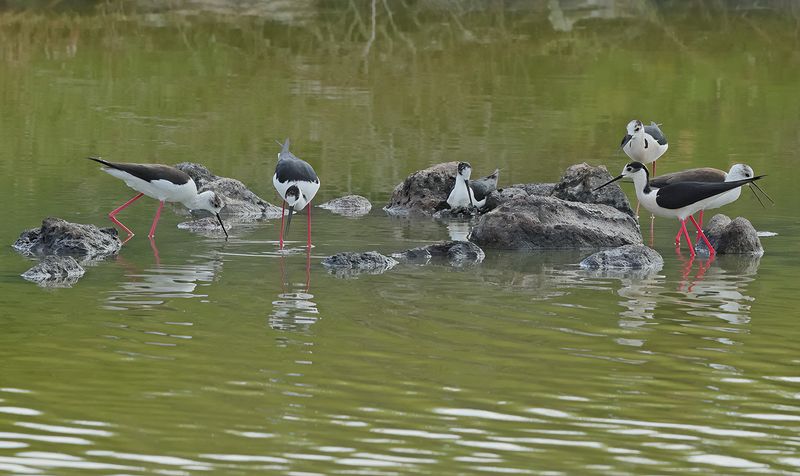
(708,174)
(297,184)
(165,184)
(678,200)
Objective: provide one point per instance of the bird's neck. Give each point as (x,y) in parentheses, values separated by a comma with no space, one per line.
(194,202)
(641,183)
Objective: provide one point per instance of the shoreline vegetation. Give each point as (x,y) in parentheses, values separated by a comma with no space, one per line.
(377,29)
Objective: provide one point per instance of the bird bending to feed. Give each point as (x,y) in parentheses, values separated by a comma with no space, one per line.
(297,184)
(644,144)
(677,200)
(165,184)
(708,174)
(468,194)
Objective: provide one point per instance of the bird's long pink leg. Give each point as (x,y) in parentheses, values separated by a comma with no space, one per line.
(113,214)
(283,206)
(701,218)
(688,240)
(155,220)
(308,242)
(654,168)
(678,237)
(711,250)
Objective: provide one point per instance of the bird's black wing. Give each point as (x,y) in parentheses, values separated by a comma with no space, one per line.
(656,133)
(148,172)
(683,194)
(484,186)
(295,170)
(703,174)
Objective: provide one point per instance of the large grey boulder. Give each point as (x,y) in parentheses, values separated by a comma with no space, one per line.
(728,236)
(351,264)
(625,257)
(578,184)
(55,271)
(241,204)
(423,190)
(536,222)
(349,205)
(457,253)
(60,237)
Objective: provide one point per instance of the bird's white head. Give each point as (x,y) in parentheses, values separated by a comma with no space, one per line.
(211,202)
(739,172)
(295,198)
(464,170)
(635,126)
(635,171)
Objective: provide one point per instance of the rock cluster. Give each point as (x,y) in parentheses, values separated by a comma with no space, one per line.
(728,236)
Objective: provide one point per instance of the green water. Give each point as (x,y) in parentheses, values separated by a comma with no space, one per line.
(230,358)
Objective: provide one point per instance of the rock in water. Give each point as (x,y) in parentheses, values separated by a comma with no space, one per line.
(241,204)
(728,236)
(351,264)
(55,271)
(578,184)
(423,190)
(536,222)
(349,205)
(60,237)
(625,257)
(457,253)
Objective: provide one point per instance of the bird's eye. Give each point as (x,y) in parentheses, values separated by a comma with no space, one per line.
(746,174)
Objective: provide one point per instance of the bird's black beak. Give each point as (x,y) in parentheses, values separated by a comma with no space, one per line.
(223,227)
(609,182)
(288,220)
(469,193)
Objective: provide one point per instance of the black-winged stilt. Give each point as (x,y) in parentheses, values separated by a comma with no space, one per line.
(165,184)
(296,183)
(644,144)
(708,174)
(678,200)
(468,194)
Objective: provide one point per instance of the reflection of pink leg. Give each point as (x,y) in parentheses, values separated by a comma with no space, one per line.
(113,214)
(308,242)
(308,268)
(155,251)
(283,206)
(155,220)
(688,240)
(711,250)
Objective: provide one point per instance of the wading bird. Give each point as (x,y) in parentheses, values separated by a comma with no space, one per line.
(297,184)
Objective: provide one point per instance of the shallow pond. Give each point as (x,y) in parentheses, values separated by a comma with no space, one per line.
(229,357)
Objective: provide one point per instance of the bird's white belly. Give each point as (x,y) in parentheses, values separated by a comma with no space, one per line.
(460,195)
(308,189)
(636,150)
(728,197)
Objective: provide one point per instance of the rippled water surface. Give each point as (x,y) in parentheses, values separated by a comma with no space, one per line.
(231,358)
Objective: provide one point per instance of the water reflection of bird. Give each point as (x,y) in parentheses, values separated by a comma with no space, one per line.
(466,194)
(165,184)
(297,184)
(708,174)
(678,200)
(644,144)
(294,309)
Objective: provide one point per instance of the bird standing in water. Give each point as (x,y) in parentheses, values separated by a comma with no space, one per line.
(678,200)
(297,184)
(165,184)
(644,144)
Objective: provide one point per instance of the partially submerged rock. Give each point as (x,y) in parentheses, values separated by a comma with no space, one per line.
(55,271)
(208,226)
(351,264)
(625,257)
(60,237)
(241,204)
(535,222)
(728,236)
(457,253)
(424,190)
(578,184)
(349,205)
